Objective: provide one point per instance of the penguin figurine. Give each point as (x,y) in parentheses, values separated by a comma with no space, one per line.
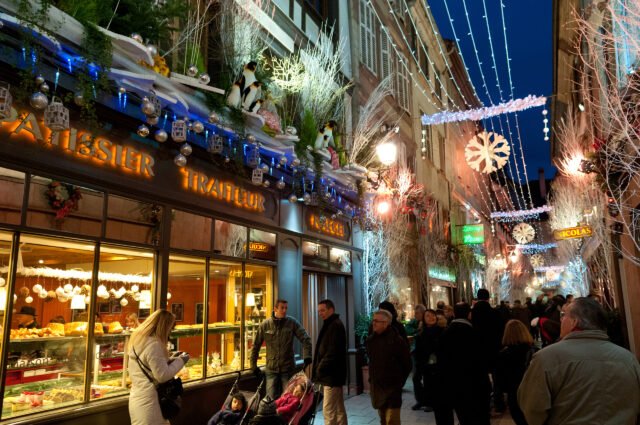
(248,75)
(255,106)
(325,135)
(249,94)
(233,99)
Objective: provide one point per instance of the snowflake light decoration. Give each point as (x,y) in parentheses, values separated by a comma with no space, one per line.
(537,260)
(523,233)
(487,152)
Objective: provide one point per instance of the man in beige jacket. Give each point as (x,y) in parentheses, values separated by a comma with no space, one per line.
(584,378)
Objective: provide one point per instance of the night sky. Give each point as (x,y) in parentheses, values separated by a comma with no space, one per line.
(529,38)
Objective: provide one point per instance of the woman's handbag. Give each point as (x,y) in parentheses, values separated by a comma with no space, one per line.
(168,392)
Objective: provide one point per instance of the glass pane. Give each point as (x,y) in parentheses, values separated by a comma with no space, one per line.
(225,306)
(314,255)
(134,221)
(186,291)
(47,347)
(58,205)
(258,305)
(5,254)
(126,277)
(230,239)
(262,245)
(340,260)
(190,231)
(11,194)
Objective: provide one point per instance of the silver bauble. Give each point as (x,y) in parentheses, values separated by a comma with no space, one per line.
(204,78)
(44,88)
(161,135)
(143,130)
(293,198)
(122,90)
(214,118)
(339,213)
(39,80)
(152,49)
(266,183)
(147,107)
(78,98)
(180,160)
(283,160)
(251,138)
(192,71)
(38,100)
(153,120)
(186,149)
(327,195)
(291,131)
(227,159)
(295,162)
(264,168)
(137,37)
(281,184)
(197,127)
(333,216)
(306,198)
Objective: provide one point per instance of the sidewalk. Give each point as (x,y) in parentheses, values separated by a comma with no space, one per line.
(360,412)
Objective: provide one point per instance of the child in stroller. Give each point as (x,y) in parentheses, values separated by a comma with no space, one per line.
(288,403)
(297,405)
(232,413)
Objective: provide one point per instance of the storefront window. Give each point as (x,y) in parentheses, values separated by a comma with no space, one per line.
(5,251)
(55,204)
(186,292)
(133,221)
(340,260)
(224,312)
(190,231)
(123,298)
(230,239)
(262,245)
(258,305)
(11,193)
(315,255)
(47,347)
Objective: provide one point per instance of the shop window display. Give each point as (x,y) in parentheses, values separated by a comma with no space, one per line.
(315,255)
(258,305)
(230,239)
(133,221)
(340,260)
(11,193)
(49,326)
(55,204)
(190,231)
(125,287)
(5,252)
(185,293)
(262,245)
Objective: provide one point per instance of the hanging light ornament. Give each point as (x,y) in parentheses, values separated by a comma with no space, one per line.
(44,88)
(78,98)
(29,299)
(256,176)
(6,100)
(281,184)
(215,143)
(253,156)
(179,131)
(490,149)
(161,135)
(39,80)
(214,118)
(38,100)
(56,116)
(204,78)
(180,160)
(192,71)
(137,37)
(523,233)
(186,149)
(293,198)
(153,120)
(143,130)
(197,127)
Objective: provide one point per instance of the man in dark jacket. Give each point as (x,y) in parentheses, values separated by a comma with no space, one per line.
(389,367)
(330,363)
(395,323)
(278,332)
(463,373)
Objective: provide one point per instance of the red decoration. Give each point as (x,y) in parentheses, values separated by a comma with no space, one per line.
(63,199)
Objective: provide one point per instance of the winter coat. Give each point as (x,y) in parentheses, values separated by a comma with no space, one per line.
(511,365)
(278,335)
(287,406)
(490,327)
(144,407)
(522,314)
(582,379)
(330,357)
(427,340)
(389,367)
(226,417)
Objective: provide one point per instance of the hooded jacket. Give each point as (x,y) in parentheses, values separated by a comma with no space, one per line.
(278,335)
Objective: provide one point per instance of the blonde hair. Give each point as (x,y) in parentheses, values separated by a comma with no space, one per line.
(158,325)
(133,317)
(515,332)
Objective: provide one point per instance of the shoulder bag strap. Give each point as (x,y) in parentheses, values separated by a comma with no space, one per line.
(143,367)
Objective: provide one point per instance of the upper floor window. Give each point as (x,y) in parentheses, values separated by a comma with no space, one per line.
(402,83)
(386,64)
(368,46)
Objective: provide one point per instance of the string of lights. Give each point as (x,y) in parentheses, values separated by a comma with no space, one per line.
(535,248)
(520,214)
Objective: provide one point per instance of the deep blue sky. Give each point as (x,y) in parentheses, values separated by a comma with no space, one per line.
(529,38)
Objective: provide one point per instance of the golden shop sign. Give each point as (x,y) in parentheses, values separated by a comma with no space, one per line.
(26,127)
(259,247)
(573,233)
(328,226)
(221,190)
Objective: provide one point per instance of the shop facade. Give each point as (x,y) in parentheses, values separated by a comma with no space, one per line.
(97,232)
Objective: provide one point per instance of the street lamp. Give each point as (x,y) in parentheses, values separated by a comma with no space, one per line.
(387,153)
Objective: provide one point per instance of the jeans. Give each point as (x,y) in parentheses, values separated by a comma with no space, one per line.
(276,383)
(333,406)
(417,378)
(389,416)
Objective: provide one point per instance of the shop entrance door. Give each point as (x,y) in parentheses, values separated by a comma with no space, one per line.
(317,287)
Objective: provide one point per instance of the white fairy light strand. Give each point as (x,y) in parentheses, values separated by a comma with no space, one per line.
(549,269)
(534,248)
(513,105)
(61,274)
(522,213)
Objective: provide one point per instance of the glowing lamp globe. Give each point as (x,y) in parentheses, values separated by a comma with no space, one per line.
(383,207)
(387,153)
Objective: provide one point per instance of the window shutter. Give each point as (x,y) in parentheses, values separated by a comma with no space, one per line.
(384,56)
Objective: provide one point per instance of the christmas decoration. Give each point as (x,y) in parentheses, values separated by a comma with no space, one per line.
(523,233)
(192,71)
(197,127)
(143,130)
(256,176)
(204,78)
(519,215)
(536,260)
(56,116)
(38,100)
(186,149)
(180,160)
(535,248)
(161,135)
(490,148)
(179,131)
(6,100)
(215,143)
(63,199)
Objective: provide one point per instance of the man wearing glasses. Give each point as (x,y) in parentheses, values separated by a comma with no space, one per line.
(583,378)
(389,367)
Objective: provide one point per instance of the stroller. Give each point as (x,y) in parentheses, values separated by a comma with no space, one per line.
(252,398)
(306,410)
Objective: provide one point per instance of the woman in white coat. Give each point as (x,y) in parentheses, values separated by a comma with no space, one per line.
(149,341)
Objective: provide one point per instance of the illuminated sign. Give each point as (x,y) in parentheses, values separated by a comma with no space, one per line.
(327,226)
(221,190)
(259,247)
(77,143)
(472,234)
(442,273)
(573,233)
